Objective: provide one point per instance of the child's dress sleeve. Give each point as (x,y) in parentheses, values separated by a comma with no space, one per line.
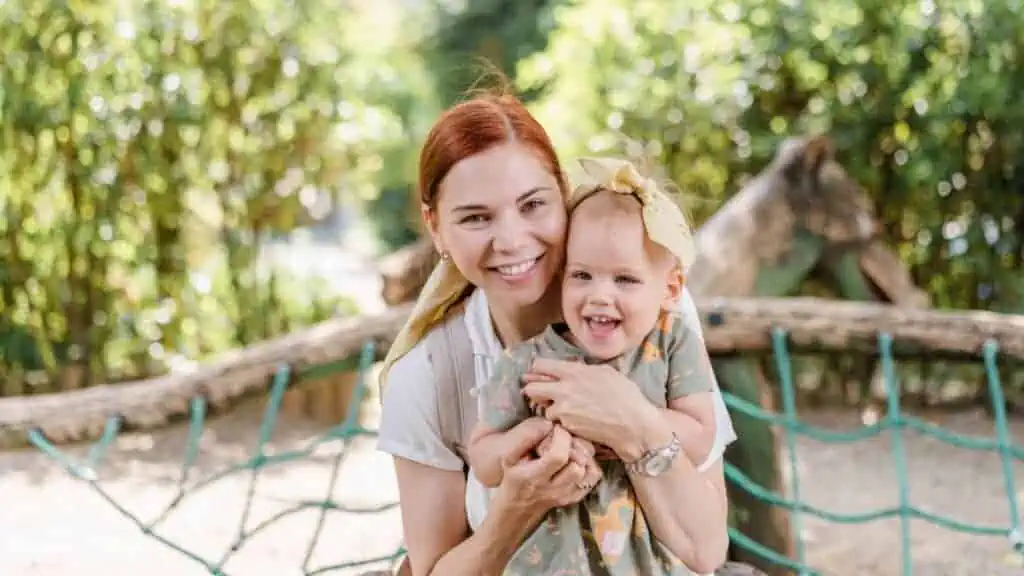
(689,367)
(502,404)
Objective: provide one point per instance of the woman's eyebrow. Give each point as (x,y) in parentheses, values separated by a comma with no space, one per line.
(478,207)
(526,195)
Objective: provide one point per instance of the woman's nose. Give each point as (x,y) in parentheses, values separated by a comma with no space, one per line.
(510,235)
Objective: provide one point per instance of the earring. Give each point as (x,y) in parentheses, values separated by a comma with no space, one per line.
(444,256)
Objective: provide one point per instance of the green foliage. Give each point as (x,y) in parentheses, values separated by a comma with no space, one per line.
(916,96)
(498,32)
(146,151)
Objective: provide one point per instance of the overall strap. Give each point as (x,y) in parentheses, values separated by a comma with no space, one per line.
(451,356)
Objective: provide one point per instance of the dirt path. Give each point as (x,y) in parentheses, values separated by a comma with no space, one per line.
(53,525)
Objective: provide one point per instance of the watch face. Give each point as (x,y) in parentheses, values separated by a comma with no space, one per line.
(656,465)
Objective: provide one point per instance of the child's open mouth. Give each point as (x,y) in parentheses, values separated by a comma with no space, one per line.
(600,325)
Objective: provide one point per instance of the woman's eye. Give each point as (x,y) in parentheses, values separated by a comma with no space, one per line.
(473,219)
(531,205)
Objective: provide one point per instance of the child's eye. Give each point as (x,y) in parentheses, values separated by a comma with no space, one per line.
(579,275)
(627,279)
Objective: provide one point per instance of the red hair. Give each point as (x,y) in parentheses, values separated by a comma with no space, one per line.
(475,126)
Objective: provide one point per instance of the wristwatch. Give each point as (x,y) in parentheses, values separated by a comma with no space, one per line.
(656,461)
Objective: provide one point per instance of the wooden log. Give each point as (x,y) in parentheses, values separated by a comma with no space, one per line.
(884,268)
(404,272)
(146,404)
(732,325)
(817,324)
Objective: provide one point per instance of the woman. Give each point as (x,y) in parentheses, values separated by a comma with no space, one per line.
(493,195)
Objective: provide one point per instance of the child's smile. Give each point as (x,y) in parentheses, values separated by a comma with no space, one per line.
(615,281)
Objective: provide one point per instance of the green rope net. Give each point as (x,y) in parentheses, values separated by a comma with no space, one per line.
(894,422)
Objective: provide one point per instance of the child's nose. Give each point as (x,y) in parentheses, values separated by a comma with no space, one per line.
(601,295)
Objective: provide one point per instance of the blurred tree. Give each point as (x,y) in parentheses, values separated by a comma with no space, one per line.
(500,32)
(454,39)
(916,96)
(146,150)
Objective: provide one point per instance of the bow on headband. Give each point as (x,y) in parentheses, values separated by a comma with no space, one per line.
(662,218)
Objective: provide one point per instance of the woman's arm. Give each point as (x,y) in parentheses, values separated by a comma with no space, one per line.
(695,525)
(686,508)
(436,534)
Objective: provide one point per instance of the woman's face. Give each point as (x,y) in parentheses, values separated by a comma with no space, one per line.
(501,218)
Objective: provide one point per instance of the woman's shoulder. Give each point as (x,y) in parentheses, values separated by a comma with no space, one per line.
(411,423)
(412,370)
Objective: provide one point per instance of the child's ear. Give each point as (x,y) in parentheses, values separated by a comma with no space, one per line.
(673,288)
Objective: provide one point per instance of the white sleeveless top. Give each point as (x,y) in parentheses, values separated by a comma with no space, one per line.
(409,422)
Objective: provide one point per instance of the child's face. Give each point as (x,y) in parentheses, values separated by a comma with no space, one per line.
(616,282)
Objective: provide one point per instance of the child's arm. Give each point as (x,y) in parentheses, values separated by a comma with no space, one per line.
(502,406)
(690,392)
(485,455)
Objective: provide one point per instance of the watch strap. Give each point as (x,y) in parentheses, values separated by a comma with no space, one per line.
(669,451)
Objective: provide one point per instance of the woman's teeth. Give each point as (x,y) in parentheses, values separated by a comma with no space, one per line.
(516,269)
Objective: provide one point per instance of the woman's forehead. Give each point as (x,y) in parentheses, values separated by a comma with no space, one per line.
(497,176)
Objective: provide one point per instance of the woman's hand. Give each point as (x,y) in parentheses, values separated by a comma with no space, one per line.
(552,478)
(581,453)
(433,503)
(592,402)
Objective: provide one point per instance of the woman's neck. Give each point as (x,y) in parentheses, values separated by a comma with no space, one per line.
(513,325)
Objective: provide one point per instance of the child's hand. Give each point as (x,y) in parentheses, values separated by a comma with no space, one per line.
(581,451)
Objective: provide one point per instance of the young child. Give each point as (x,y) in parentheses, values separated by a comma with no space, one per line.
(626,249)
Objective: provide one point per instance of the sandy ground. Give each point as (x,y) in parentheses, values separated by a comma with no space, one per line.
(54,525)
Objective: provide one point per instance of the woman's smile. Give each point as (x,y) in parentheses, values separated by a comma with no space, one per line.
(519,271)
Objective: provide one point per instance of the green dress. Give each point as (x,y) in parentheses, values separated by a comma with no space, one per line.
(605,534)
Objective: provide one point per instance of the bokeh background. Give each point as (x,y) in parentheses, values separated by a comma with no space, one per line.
(179,178)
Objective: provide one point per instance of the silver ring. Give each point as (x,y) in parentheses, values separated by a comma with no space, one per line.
(584,486)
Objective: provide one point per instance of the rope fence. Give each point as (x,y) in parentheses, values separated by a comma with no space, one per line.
(895,422)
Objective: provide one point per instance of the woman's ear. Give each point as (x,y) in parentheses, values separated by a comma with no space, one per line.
(673,288)
(430,220)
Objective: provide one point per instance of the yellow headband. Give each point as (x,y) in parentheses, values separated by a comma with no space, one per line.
(662,218)
(447,287)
